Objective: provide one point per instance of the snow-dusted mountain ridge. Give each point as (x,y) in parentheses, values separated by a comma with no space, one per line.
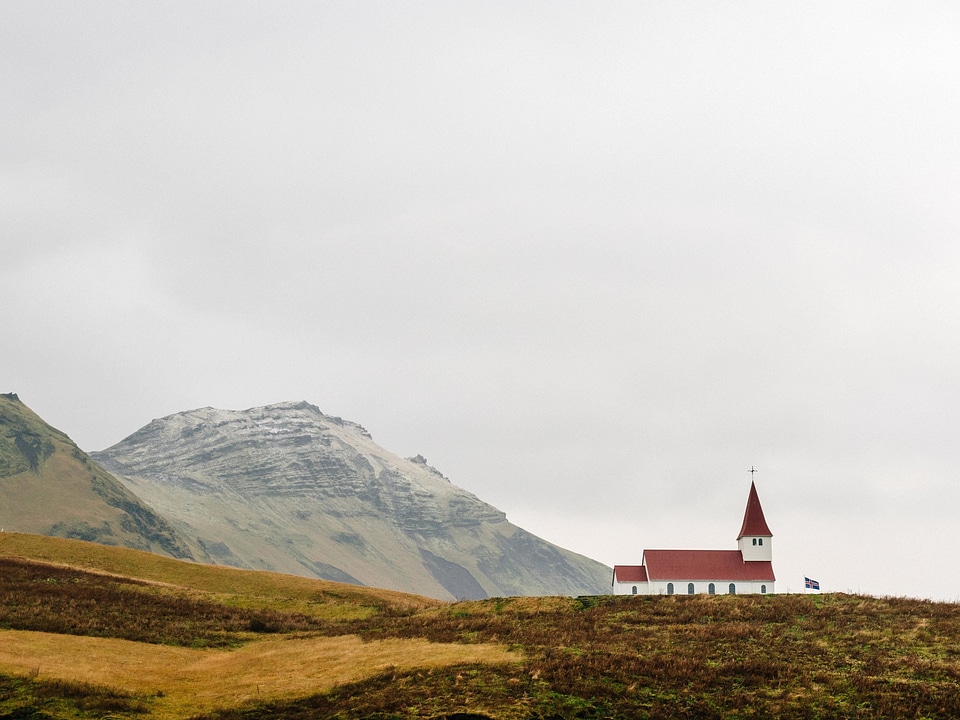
(286,487)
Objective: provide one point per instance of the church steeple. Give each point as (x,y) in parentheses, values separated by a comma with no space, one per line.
(754,539)
(753,520)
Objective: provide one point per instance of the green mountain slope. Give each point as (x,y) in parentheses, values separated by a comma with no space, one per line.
(49,486)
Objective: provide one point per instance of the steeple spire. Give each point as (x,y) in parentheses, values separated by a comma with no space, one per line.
(753,520)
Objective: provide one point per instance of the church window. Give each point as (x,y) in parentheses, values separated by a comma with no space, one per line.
(634,589)
(763,589)
(760,541)
(754,541)
(689,588)
(669,588)
(712,589)
(733,589)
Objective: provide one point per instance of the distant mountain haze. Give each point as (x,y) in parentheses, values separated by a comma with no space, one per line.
(290,489)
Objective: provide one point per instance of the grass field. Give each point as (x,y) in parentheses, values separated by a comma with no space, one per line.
(178,682)
(287,593)
(87,631)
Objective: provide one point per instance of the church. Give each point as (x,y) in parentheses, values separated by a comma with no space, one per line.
(749,569)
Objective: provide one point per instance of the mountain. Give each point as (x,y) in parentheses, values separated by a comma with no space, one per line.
(290,489)
(48,486)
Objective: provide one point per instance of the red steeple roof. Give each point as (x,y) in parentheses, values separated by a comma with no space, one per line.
(753,521)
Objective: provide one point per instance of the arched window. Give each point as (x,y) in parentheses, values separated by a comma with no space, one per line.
(733,589)
(712,589)
(689,588)
(760,541)
(763,589)
(754,541)
(634,589)
(669,588)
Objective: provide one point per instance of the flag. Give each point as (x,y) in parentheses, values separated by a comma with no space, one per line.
(811,584)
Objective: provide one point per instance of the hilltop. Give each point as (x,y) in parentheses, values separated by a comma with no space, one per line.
(88,631)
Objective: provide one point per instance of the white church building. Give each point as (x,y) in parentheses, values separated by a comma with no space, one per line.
(749,569)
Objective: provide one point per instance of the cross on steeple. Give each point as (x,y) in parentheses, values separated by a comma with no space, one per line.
(752,471)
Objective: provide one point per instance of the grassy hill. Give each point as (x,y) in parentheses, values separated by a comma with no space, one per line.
(89,631)
(51,487)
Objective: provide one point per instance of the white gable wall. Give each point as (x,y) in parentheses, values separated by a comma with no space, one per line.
(626,588)
(756,547)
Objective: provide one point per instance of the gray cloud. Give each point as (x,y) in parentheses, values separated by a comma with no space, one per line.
(592,262)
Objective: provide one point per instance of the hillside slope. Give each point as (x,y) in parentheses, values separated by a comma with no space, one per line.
(113,632)
(88,631)
(287,488)
(51,487)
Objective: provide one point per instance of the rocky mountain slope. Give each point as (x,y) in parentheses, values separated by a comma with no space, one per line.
(48,486)
(287,488)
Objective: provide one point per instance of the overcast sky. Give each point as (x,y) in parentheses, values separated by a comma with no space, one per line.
(593,260)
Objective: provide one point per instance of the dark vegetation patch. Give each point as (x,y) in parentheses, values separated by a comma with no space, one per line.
(47,598)
(33,447)
(24,441)
(34,698)
(21,448)
(82,530)
(463,692)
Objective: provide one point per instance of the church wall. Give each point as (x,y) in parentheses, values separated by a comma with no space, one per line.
(626,588)
(702,587)
(756,552)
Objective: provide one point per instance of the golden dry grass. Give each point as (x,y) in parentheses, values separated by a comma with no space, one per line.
(184,682)
(246,588)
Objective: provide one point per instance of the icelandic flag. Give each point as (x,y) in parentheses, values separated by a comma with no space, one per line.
(811,584)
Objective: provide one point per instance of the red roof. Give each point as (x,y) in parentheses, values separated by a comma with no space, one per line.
(704,565)
(629,573)
(753,521)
